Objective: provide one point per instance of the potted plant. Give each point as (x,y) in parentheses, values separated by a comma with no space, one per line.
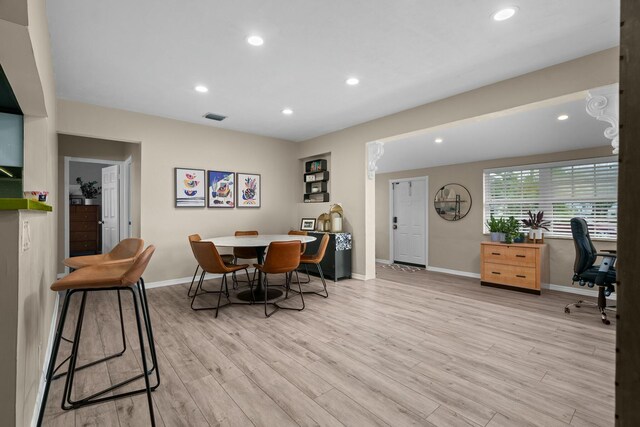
(536,224)
(89,191)
(511,229)
(496,228)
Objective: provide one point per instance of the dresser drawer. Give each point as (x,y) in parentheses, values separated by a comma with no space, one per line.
(83,246)
(524,277)
(83,217)
(84,209)
(83,226)
(521,256)
(81,236)
(497,253)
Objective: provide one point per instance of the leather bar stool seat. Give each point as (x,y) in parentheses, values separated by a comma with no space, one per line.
(125,252)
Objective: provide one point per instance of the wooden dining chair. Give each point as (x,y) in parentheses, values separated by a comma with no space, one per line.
(282,258)
(227,258)
(99,278)
(211,262)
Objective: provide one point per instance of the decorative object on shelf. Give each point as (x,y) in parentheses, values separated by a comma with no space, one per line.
(495,226)
(520,238)
(249,190)
(221,189)
(308,224)
(76,200)
(89,190)
(316,176)
(452,202)
(336,213)
(536,224)
(511,229)
(323,223)
(38,196)
(190,188)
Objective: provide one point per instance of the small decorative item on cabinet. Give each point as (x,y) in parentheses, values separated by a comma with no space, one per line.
(323,223)
(308,224)
(336,214)
(536,224)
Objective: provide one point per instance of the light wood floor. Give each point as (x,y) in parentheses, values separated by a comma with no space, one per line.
(416,348)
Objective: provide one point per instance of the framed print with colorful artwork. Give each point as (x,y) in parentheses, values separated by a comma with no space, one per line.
(190,188)
(248,190)
(221,189)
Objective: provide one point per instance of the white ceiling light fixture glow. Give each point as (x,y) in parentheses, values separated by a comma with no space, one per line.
(255,40)
(504,14)
(438,140)
(287,111)
(352,81)
(201,89)
(563,117)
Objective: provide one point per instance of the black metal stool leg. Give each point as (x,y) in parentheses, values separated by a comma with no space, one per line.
(143,357)
(66,395)
(52,358)
(147,320)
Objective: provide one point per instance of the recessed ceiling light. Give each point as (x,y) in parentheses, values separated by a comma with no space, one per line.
(255,40)
(563,117)
(352,81)
(287,111)
(201,89)
(504,14)
(438,140)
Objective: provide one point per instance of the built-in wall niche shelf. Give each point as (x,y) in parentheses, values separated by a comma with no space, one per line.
(316,177)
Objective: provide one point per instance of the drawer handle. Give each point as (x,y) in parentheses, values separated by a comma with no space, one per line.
(495,253)
(520,275)
(495,272)
(521,256)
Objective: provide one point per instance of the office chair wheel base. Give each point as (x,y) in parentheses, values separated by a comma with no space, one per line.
(567,310)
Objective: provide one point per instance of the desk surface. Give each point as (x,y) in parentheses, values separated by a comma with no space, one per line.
(261,240)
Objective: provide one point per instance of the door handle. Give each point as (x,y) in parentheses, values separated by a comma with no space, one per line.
(395,227)
(100,222)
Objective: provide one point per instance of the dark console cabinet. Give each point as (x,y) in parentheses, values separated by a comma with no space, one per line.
(336,263)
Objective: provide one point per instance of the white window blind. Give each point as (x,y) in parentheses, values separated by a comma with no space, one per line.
(584,188)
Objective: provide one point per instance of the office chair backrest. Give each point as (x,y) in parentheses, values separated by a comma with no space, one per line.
(585,251)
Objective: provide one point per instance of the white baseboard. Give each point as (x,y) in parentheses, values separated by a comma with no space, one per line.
(454,272)
(360,277)
(384,261)
(47,357)
(574,290)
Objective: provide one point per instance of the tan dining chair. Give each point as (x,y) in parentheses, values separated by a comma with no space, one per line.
(303,247)
(227,258)
(282,258)
(316,259)
(103,278)
(248,254)
(211,262)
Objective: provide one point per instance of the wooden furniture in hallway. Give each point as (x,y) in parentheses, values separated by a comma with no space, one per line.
(84,230)
(518,266)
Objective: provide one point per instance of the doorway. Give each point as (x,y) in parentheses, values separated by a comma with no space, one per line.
(95,221)
(409,218)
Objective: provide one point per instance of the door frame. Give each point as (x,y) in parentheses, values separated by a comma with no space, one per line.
(426,217)
(123,197)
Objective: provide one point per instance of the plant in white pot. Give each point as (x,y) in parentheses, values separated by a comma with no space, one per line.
(89,191)
(536,224)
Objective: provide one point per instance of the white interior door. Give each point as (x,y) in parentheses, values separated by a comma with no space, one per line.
(409,222)
(110,208)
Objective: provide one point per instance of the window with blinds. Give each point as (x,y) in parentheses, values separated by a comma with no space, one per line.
(584,188)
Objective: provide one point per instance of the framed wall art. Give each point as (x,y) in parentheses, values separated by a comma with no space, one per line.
(190,188)
(221,189)
(249,191)
(308,224)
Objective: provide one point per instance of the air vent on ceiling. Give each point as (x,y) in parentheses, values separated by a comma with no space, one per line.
(216,117)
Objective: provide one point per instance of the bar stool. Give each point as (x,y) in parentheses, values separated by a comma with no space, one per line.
(103,277)
(227,258)
(316,259)
(124,252)
(282,258)
(211,262)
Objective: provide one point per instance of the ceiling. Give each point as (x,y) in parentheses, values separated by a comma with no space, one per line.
(519,132)
(147,56)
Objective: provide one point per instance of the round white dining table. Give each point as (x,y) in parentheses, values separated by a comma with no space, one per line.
(260,242)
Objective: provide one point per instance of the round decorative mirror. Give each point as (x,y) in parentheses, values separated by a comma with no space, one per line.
(452,202)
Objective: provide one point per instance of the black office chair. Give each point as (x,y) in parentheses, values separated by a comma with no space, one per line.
(586,272)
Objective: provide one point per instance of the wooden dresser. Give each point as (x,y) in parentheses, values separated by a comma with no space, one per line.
(518,266)
(84,230)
